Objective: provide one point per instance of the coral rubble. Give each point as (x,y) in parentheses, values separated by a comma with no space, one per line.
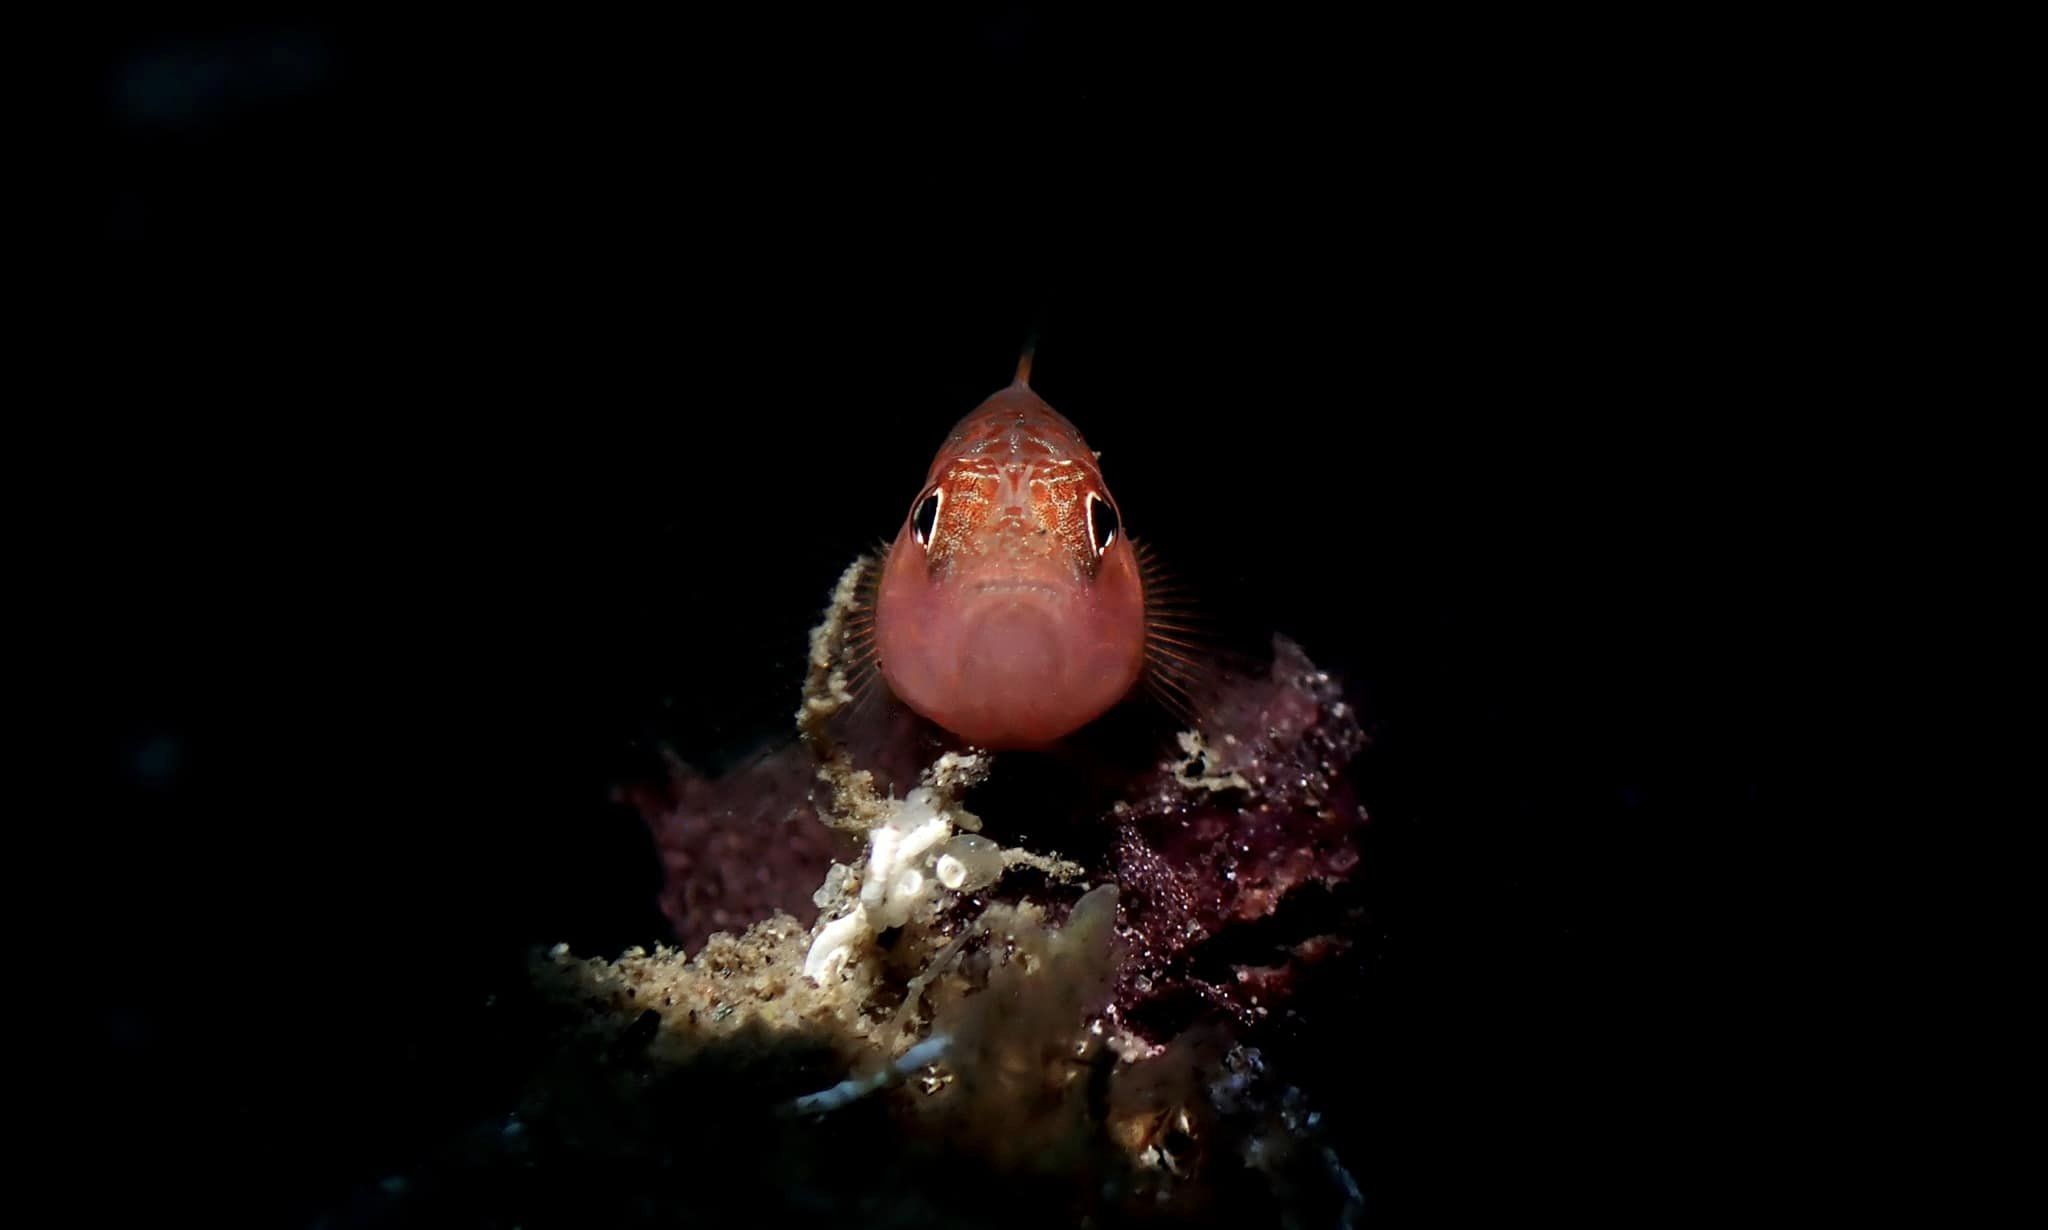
(938,1015)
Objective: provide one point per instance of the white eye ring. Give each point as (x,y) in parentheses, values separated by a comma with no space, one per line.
(1102,523)
(924,516)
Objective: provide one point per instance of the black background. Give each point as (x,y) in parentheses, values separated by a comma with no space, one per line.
(474,406)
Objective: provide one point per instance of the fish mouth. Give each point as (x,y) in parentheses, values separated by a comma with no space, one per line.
(1045,588)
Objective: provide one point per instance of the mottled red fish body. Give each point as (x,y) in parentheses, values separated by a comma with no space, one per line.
(1011,609)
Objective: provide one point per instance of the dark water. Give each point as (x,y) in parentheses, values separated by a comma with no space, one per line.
(476,406)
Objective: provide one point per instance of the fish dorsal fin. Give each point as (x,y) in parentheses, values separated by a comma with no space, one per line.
(1023,376)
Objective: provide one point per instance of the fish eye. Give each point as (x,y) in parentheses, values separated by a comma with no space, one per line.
(1102,522)
(925,518)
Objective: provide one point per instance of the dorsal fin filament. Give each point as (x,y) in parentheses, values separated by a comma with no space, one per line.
(1023,377)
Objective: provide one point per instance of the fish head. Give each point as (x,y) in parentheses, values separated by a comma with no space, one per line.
(1011,607)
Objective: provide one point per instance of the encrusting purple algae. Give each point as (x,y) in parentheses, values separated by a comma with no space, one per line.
(1081,1005)
(1068,1005)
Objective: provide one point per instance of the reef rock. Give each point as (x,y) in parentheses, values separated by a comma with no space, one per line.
(882,1010)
